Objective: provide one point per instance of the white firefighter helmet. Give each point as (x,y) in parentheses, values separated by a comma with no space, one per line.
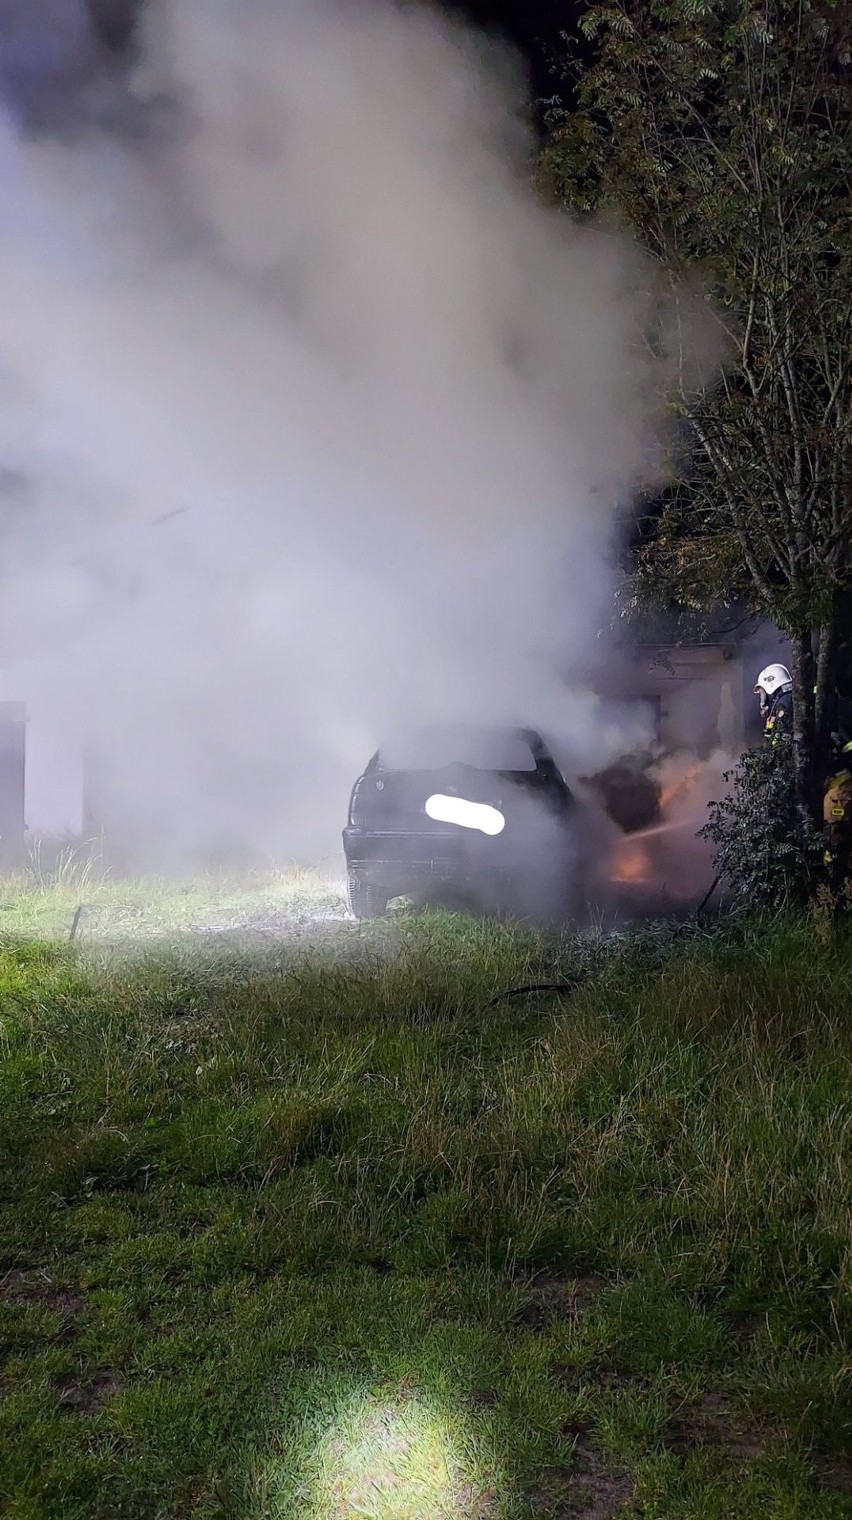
(772,680)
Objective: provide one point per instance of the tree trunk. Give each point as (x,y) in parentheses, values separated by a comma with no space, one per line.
(842,660)
(806,766)
(825,713)
(833,713)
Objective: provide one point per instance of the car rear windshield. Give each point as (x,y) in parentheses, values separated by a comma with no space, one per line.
(430,750)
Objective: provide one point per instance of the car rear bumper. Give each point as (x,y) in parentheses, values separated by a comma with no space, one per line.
(408,862)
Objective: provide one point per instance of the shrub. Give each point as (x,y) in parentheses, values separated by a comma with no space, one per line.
(765,852)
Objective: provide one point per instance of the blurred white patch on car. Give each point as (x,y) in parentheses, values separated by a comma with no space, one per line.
(468,815)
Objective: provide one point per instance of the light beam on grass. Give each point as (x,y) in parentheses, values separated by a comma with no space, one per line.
(393,1458)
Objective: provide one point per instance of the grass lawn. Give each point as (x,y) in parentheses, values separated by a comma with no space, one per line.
(305,1230)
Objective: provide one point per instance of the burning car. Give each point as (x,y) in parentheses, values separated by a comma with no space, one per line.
(479,812)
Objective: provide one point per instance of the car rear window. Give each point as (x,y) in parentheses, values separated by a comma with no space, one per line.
(432,749)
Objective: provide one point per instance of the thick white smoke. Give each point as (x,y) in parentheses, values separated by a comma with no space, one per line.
(312,421)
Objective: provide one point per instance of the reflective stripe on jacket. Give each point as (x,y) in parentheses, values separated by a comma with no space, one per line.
(837,800)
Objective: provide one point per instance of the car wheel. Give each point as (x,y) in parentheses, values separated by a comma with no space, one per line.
(365,900)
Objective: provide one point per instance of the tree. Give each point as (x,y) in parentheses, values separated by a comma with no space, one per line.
(721,130)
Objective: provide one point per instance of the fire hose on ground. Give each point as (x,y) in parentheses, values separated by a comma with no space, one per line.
(570,984)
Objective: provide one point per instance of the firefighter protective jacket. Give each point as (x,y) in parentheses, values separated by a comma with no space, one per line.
(837,800)
(779,720)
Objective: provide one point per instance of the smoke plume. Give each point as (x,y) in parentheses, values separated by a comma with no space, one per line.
(312,421)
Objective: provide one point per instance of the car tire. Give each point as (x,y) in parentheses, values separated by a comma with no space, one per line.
(365,900)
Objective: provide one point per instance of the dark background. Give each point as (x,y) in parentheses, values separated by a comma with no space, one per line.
(56,74)
(533,26)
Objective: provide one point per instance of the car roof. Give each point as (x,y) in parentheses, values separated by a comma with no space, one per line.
(487,730)
(489,747)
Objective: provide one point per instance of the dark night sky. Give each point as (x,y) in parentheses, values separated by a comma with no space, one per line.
(532,25)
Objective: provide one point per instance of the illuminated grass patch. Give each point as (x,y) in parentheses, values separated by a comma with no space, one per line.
(391,1456)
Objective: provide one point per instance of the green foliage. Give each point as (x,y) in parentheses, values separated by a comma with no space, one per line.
(766,852)
(721,131)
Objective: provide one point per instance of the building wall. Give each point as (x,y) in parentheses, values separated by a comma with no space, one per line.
(12,773)
(699,696)
(53,785)
(704,693)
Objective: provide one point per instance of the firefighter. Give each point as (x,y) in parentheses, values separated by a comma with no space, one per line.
(837,817)
(774,686)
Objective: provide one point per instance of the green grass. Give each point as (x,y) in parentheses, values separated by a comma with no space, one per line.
(309,1233)
(41,902)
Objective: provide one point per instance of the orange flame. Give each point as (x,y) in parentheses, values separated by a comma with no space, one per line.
(633,863)
(675,789)
(632,868)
